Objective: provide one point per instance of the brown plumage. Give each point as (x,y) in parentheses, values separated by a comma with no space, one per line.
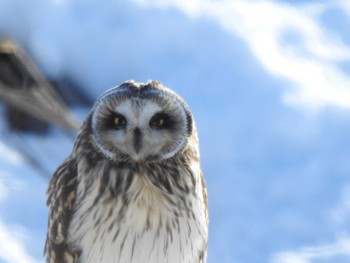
(132,189)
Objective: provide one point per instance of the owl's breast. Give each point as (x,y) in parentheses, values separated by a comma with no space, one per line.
(142,224)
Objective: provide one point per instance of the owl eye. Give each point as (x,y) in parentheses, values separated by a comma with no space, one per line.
(118,121)
(160,121)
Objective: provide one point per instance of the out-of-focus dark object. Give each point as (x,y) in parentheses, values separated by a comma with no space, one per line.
(71,93)
(32,103)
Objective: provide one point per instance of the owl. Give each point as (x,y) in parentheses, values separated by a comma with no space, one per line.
(132,189)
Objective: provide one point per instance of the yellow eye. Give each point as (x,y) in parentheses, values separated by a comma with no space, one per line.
(161,122)
(119,121)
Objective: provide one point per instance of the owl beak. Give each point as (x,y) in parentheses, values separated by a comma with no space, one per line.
(137,140)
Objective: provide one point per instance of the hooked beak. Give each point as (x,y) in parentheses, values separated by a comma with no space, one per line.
(137,140)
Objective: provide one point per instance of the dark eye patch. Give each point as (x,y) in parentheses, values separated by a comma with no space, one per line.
(115,121)
(161,121)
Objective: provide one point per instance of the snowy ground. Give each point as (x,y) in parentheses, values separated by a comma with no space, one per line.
(269,85)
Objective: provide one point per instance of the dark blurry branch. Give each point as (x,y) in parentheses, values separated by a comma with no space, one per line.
(31,103)
(23,87)
(37,103)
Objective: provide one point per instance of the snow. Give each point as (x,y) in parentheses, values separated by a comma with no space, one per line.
(268,82)
(12,247)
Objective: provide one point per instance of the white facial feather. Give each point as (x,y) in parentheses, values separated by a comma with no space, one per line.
(138,114)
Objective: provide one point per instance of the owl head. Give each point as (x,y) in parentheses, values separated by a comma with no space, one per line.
(140,122)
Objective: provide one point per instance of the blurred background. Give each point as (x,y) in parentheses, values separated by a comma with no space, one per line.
(268,83)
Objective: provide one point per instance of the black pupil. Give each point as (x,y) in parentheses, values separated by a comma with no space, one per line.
(160,121)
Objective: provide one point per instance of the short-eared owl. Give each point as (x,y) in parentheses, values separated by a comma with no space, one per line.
(132,190)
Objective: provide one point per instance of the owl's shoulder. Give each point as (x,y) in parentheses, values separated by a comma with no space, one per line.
(60,199)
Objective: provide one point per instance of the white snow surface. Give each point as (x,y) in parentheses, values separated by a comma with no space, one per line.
(268,83)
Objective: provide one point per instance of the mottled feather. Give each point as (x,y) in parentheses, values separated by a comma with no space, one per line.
(132,190)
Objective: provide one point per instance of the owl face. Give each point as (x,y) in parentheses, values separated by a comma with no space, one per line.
(140,123)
